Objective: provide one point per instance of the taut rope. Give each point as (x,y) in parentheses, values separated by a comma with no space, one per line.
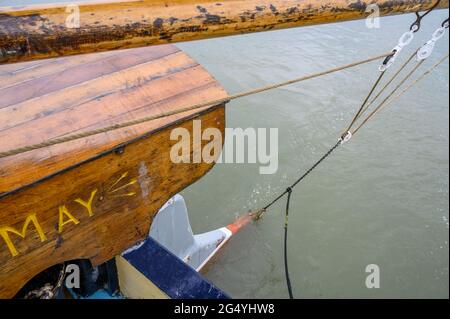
(117,126)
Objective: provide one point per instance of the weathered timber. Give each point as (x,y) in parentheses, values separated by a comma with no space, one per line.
(47,31)
(94,197)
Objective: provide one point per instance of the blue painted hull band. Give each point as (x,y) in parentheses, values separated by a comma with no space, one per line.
(170,274)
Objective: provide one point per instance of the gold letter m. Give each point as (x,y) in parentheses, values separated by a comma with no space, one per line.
(4,233)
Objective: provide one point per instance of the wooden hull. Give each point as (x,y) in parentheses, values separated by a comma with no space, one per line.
(126,189)
(92,199)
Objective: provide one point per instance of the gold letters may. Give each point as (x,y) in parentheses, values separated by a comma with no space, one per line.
(64,217)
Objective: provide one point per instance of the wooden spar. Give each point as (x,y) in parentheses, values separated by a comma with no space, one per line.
(31,32)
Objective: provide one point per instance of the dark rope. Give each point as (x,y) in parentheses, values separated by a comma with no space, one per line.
(394,77)
(286,270)
(374,86)
(304,175)
(288,191)
(381,105)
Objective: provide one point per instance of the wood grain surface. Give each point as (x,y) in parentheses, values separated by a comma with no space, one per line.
(30,32)
(94,197)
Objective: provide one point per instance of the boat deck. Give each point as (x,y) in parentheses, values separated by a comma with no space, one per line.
(94,197)
(45,99)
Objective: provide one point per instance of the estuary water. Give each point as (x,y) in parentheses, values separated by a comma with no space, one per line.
(382,198)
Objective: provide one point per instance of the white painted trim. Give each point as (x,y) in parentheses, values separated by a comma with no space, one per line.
(228,235)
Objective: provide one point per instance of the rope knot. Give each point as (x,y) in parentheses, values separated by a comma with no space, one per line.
(289,190)
(259,214)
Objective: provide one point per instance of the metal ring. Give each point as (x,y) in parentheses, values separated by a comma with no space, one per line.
(390,59)
(425,51)
(445,24)
(346,138)
(406,38)
(439,33)
(415,27)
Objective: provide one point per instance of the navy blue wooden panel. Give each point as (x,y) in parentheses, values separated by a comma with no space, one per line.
(170,274)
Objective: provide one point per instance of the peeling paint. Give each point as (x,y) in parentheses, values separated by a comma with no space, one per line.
(201,9)
(144,180)
(273,9)
(358,5)
(158,23)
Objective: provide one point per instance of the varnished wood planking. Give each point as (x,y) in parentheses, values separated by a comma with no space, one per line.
(102,111)
(29,33)
(79,73)
(132,90)
(129,188)
(85,92)
(11,74)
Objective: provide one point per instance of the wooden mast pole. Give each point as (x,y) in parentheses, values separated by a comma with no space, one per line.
(36,32)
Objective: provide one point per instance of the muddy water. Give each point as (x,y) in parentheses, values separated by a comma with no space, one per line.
(381,199)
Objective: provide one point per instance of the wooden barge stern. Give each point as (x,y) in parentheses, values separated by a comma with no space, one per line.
(92,198)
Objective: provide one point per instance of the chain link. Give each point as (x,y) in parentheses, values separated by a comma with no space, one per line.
(404,40)
(407,37)
(427,49)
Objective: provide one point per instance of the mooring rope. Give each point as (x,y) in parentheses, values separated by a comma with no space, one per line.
(398,86)
(383,89)
(361,109)
(286,268)
(341,140)
(410,73)
(414,82)
(72,137)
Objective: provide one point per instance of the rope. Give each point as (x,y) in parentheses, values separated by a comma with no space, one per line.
(386,85)
(357,115)
(48,291)
(386,103)
(288,191)
(72,137)
(286,270)
(390,94)
(331,150)
(365,107)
